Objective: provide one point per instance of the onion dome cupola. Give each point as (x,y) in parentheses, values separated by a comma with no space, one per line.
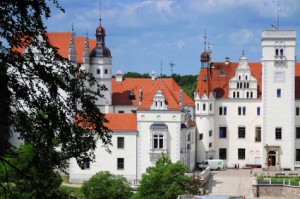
(205,59)
(100,50)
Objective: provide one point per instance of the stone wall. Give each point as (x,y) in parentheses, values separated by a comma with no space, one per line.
(275,190)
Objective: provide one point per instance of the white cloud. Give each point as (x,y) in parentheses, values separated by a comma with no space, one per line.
(180,44)
(241,37)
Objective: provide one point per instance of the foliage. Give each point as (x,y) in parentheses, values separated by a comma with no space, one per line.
(72,191)
(136,75)
(166,180)
(104,185)
(194,185)
(40,95)
(25,170)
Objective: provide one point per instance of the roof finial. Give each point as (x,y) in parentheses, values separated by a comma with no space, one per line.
(208,45)
(100,19)
(72,28)
(160,69)
(205,39)
(243,52)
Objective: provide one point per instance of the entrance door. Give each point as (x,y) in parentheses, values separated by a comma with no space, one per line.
(272,158)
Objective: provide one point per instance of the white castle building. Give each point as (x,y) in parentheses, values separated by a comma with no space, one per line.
(243,112)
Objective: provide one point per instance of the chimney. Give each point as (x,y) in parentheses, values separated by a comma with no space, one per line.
(180,102)
(119,76)
(153,75)
(227,61)
(140,96)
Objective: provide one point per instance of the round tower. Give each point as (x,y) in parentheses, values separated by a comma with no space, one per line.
(101,67)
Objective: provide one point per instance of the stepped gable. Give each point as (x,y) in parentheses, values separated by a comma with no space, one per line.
(220,74)
(169,98)
(121,122)
(122,90)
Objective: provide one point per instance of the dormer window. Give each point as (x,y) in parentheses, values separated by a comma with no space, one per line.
(222,73)
(159,102)
(131,95)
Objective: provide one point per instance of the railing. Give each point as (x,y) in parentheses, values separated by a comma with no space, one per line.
(280,181)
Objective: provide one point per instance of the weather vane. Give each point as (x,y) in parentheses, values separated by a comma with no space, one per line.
(172,64)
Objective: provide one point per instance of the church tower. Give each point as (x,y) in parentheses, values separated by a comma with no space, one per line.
(101,69)
(278,97)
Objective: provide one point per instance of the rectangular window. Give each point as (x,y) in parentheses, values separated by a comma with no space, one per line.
(220,111)
(201,136)
(98,71)
(258,134)
(210,106)
(158,142)
(278,93)
(210,145)
(222,154)
(204,107)
(242,132)
(239,110)
(278,132)
(297,154)
(238,94)
(298,132)
(105,71)
(120,111)
(241,154)
(85,165)
(189,137)
(297,111)
(244,110)
(258,110)
(120,142)
(223,132)
(120,163)
(197,106)
(210,133)
(225,110)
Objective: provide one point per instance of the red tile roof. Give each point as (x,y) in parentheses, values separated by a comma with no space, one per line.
(121,122)
(219,83)
(121,91)
(61,40)
(297,81)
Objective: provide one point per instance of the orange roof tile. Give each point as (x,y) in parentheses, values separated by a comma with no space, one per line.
(170,100)
(219,83)
(121,90)
(297,80)
(61,40)
(121,122)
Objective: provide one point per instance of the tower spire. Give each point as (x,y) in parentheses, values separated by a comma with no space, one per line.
(100,17)
(161,69)
(204,39)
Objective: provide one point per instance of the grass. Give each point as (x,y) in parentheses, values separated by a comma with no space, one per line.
(75,191)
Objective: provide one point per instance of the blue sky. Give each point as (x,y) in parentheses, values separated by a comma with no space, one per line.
(142,33)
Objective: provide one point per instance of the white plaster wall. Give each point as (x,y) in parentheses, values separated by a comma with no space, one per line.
(279,112)
(145,119)
(108,161)
(232,121)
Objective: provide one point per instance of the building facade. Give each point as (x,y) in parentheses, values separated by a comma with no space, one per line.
(248,113)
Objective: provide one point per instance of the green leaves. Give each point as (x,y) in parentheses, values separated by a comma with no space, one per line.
(164,181)
(104,185)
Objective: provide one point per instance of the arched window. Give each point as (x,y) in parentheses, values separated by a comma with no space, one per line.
(237,85)
(247,84)
(233,94)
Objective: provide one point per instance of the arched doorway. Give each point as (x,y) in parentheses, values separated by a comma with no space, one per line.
(272,158)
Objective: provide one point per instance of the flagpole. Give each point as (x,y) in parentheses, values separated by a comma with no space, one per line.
(277,14)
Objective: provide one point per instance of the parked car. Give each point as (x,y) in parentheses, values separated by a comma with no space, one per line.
(202,165)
